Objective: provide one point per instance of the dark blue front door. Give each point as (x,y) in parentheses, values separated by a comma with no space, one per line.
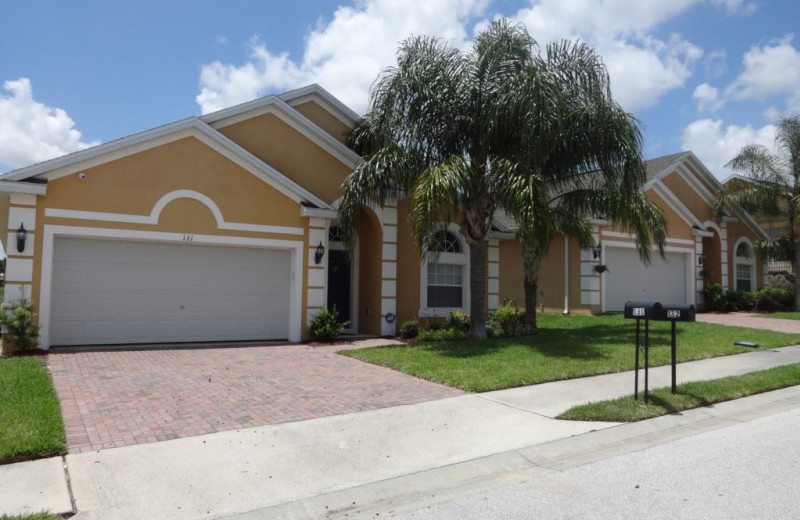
(339,283)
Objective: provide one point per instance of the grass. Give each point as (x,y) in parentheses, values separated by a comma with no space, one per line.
(688,396)
(566,347)
(30,415)
(33,516)
(793,315)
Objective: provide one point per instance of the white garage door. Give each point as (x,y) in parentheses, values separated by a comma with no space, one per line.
(628,278)
(116,292)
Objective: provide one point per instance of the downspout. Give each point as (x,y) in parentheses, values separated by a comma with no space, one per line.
(566,275)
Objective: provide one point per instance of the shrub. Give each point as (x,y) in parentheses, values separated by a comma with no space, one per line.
(773,299)
(326,325)
(20,320)
(713,297)
(507,322)
(441,334)
(409,329)
(739,300)
(457,320)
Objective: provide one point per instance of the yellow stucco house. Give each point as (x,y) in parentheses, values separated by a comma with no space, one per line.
(222,228)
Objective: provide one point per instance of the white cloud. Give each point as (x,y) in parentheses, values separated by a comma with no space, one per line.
(31,131)
(345,56)
(768,71)
(714,63)
(707,97)
(716,143)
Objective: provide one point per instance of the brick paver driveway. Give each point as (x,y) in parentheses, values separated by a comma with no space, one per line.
(119,398)
(752,321)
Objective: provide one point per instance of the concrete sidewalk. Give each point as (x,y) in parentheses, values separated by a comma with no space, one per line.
(233,473)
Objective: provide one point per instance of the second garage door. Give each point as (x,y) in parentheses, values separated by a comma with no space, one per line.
(628,278)
(123,292)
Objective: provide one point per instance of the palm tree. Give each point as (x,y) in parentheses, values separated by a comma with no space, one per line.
(586,161)
(463,134)
(769,183)
(432,134)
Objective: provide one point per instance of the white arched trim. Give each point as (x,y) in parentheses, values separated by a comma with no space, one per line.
(713,225)
(744,267)
(376,209)
(155,213)
(455,259)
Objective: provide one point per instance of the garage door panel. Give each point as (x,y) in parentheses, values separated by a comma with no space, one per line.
(628,278)
(153,292)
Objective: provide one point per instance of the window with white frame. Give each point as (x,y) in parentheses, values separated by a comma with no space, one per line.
(744,265)
(444,277)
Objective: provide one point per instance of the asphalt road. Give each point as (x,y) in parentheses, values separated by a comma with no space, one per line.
(747,470)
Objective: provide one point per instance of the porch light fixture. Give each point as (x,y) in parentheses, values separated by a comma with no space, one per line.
(319,253)
(701,259)
(22,235)
(596,252)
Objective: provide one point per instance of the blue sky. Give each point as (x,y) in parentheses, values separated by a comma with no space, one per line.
(706,75)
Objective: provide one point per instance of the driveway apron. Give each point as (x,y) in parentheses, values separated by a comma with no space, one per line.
(125,397)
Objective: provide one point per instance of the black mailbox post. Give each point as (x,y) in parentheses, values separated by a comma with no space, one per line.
(675,313)
(642,311)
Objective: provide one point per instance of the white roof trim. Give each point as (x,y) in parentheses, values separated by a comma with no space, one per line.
(675,204)
(23,187)
(336,108)
(325,213)
(290,116)
(192,127)
(665,171)
(89,153)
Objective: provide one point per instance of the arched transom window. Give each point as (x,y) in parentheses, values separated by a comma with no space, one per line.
(744,265)
(445,278)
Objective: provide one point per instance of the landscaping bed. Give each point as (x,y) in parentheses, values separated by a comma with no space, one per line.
(566,347)
(689,395)
(30,415)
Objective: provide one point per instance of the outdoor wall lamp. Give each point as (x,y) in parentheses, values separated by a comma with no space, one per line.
(319,253)
(701,259)
(22,235)
(596,252)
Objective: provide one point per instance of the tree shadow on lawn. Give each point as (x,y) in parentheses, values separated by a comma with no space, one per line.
(699,401)
(584,343)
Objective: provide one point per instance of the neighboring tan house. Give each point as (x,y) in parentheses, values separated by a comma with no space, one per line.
(773,226)
(223,228)
(699,250)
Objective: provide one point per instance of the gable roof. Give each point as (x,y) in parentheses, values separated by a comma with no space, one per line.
(324,99)
(204,129)
(275,105)
(660,164)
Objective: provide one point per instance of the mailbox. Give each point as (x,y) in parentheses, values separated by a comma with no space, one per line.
(675,312)
(644,310)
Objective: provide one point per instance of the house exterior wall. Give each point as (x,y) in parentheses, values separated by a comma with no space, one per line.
(688,196)
(737,230)
(114,197)
(288,151)
(324,120)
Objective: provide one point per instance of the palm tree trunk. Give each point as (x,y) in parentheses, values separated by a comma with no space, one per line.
(478,252)
(531,291)
(795,265)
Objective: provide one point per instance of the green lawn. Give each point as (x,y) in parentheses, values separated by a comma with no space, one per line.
(34,516)
(567,347)
(794,315)
(688,396)
(30,416)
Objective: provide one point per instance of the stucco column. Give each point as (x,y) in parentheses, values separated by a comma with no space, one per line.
(19,264)
(590,279)
(389,267)
(317,274)
(494,275)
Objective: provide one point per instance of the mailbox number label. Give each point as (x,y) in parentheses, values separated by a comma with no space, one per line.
(674,314)
(638,311)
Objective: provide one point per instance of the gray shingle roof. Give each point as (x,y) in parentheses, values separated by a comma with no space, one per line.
(656,165)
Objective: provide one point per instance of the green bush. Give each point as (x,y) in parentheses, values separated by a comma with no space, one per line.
(739,300)
(20,320)
(409,329)
(507,322)
(713,297)
(326,326)
(773,299)
(441,334)
(457,320)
